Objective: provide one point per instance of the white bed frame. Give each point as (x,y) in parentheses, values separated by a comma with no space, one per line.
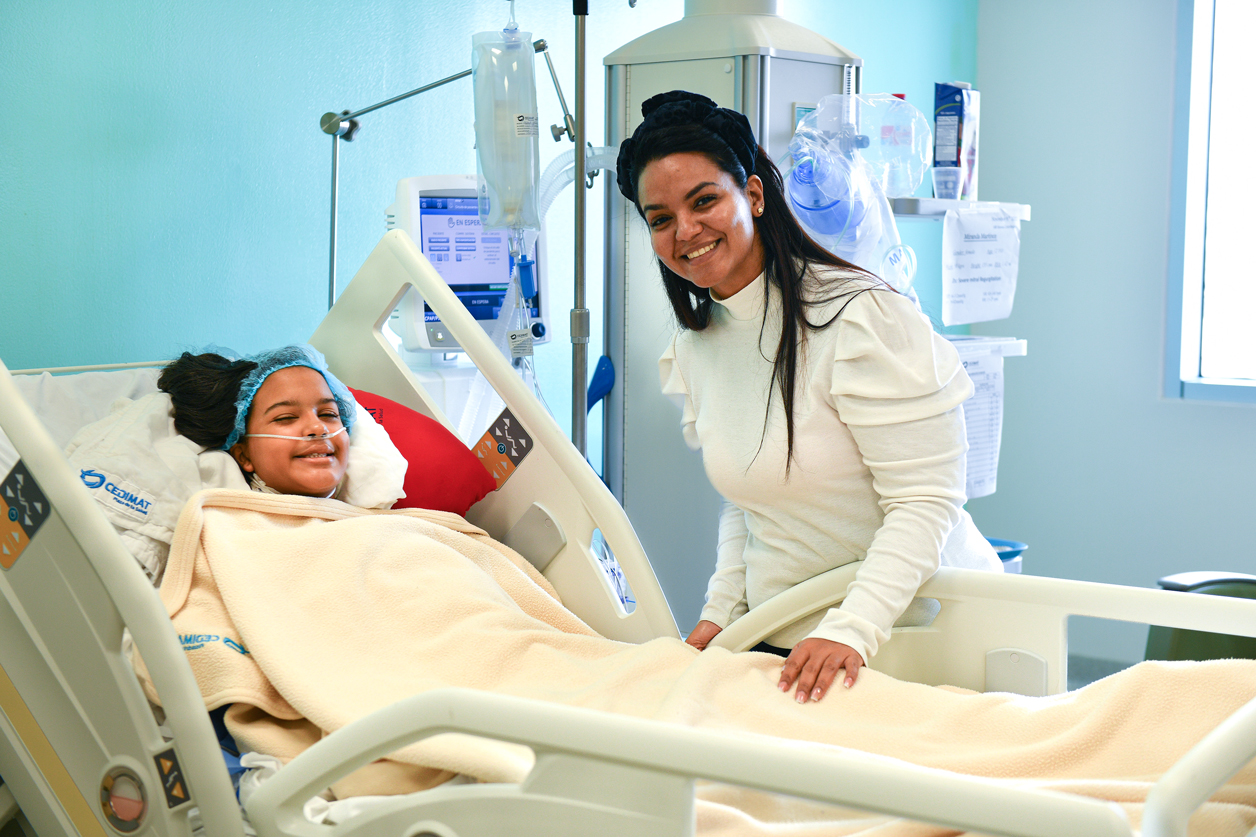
(71,709)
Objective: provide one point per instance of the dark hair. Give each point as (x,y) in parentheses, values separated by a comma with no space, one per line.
(203,389)
(788,253)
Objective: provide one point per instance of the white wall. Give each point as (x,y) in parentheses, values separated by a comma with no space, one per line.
(1105,478)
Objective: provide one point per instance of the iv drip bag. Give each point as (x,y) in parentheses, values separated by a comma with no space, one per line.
(507,133)
(508,164)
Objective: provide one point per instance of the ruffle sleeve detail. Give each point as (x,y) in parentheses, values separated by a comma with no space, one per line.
(673,383)
(890,366)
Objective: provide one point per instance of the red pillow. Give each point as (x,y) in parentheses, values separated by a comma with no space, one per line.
(442,474)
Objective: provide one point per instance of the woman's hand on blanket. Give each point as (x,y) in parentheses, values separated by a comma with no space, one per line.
(814,663)
(702,634)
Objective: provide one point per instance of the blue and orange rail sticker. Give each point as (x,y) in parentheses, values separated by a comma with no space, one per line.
(503,446)
(23,509)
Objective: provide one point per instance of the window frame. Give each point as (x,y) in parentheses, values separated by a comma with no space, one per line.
(1189,185)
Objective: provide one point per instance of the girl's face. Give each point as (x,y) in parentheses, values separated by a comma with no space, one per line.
(295,402)
(701,223)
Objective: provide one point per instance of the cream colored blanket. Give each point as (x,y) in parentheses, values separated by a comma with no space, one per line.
(304,615)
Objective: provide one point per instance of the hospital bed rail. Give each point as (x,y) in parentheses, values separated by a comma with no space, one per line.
(617,776)
(72,709)
(1199,774)
(995,631)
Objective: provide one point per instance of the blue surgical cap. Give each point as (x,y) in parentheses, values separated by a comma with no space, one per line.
(268,363)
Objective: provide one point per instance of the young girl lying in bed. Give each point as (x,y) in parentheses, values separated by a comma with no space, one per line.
(334,611)
(163,447)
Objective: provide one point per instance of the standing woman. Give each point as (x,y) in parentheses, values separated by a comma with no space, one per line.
(826,408)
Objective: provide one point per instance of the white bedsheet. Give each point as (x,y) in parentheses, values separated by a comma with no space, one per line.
(8,456)
(66,403)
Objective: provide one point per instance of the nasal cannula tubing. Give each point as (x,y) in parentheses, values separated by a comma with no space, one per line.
(310,438)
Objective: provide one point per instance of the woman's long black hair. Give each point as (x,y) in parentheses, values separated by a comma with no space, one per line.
(788,253)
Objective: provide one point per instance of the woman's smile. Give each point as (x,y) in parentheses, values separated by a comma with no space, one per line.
(697,254)
(701,222)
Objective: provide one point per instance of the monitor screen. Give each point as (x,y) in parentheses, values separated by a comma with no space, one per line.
(473,261)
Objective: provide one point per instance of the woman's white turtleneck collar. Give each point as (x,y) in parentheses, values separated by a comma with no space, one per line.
(746,304)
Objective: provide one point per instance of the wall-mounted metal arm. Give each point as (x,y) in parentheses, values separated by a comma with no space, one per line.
(568,128)
(395,99)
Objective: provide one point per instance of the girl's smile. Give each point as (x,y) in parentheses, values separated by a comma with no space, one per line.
(295,440)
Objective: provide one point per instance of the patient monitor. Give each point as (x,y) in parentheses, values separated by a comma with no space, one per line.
(441,214)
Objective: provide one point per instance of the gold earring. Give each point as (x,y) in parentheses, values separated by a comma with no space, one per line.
(760,210)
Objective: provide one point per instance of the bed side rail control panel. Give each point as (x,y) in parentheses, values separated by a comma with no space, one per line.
(1017,671)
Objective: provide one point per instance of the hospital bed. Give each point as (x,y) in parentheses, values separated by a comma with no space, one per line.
(81,752)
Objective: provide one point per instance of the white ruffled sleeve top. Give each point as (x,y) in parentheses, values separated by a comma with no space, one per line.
(879,456)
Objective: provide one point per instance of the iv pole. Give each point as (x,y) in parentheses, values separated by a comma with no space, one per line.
(579,313)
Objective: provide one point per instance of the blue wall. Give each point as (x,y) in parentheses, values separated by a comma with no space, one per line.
(166,184)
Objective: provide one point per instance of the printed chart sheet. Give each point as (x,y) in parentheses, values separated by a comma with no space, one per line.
(983,412)
(980,258)
(983,419)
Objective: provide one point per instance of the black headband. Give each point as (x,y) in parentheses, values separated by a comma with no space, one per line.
(679,107)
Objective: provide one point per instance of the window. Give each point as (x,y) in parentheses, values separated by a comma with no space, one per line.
(1212,344)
